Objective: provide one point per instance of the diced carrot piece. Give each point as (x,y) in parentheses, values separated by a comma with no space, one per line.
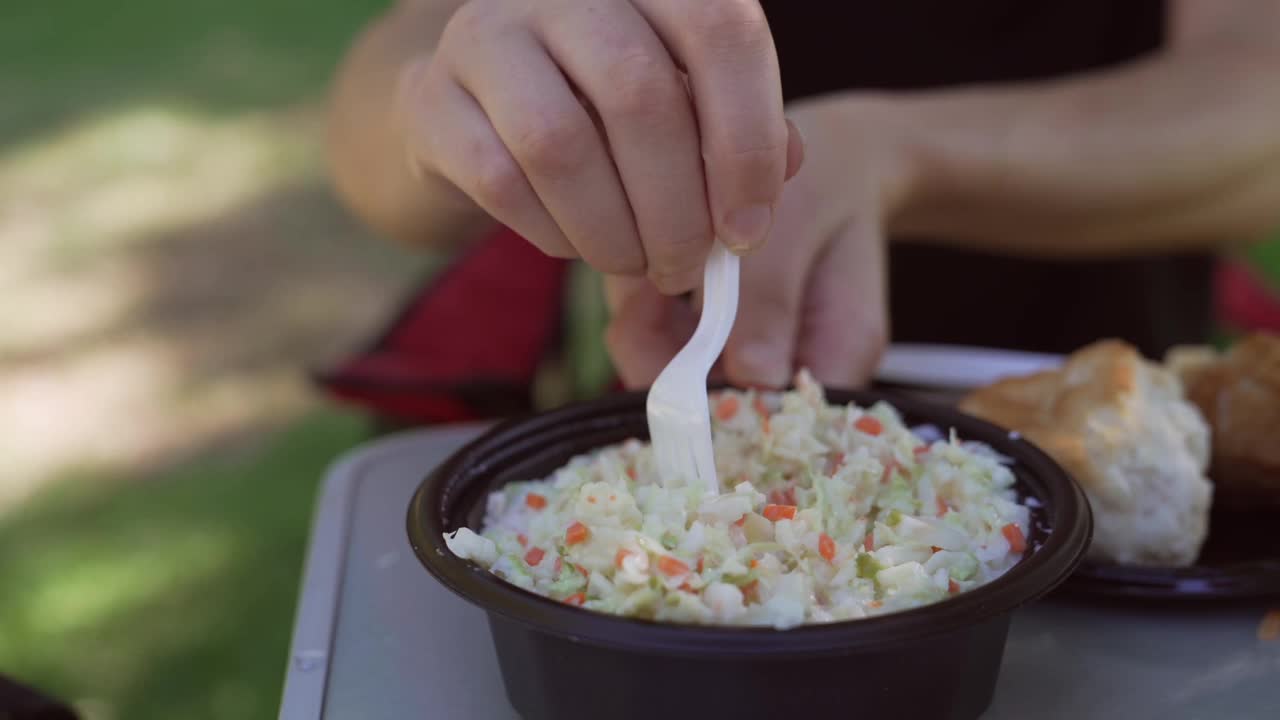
(591,499)
(576,599)
(576,533)
(834,463)
(935,548)
(535,501)
(749,590)
(522,539)
(727,408)
(754,563)
(774,513)
(759,406)
(1017,541)
(685,586)
(559,564)
(890,468)
(534,556)
(763,412)
(622,555)
(826,547)
(671,567)
(869,542)
(740,521)
(631,473)
(875,604)
(943,508)
(953,587)
(699,564)
(868,425)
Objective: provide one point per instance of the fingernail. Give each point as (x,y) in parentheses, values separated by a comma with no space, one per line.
(747,227)
(764,363)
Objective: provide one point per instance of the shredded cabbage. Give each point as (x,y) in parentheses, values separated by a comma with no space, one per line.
(828,513)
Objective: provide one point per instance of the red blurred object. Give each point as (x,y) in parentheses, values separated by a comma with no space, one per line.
(466,347)
(1245,301)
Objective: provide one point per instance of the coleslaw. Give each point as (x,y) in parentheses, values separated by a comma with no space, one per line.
(826,513)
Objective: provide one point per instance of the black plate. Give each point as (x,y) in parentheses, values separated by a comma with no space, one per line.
(1240,560)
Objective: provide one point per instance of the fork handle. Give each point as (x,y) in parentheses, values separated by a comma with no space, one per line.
(719,305)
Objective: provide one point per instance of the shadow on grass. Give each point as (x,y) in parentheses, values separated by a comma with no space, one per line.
(172,597)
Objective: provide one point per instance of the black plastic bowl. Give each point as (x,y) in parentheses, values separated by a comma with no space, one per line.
(564,663)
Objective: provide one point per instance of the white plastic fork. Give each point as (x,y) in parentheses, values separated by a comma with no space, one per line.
(679,415)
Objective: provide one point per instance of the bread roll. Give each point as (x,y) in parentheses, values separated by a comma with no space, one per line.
(1239,394)
(1122,427)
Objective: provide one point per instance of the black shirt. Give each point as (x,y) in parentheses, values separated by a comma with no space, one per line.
(945,295)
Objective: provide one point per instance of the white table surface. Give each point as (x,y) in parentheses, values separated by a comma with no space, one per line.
(377,638)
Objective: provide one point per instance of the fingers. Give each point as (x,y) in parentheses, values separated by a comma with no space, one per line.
(614,58)
(444,123)
(548,133)
(762,344)
(845,324)
(646,329)
(727,49)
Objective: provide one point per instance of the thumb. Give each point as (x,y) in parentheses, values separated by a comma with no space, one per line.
(646,329)
(845,325)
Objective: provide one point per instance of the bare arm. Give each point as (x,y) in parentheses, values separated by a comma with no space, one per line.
(1177,151)
(367,145)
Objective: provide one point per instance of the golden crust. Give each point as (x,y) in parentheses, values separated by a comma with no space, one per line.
(1239,394)
(1123,428)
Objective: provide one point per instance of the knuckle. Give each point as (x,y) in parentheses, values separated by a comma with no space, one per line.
(469,20)
(642,85)
(764,151)
(555,144)
(498,183)
(673,281)
(678,254)
(732,25)
(754,166)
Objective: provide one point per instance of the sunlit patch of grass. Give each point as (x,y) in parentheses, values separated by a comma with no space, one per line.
(118,178)
(168,598)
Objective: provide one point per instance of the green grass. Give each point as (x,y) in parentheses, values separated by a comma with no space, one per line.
(170,598)
(67,59)
(144,594)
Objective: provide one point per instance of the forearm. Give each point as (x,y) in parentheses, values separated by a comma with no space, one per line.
(367,148)
(1179,151)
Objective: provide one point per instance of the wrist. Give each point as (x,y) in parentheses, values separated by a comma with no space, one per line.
(881,151)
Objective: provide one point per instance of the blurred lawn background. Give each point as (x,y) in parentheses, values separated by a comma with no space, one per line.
(171,261)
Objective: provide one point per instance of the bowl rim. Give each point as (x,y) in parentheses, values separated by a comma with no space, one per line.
(1065,509)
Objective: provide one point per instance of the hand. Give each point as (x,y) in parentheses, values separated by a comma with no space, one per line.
(624,132)
(815,295)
